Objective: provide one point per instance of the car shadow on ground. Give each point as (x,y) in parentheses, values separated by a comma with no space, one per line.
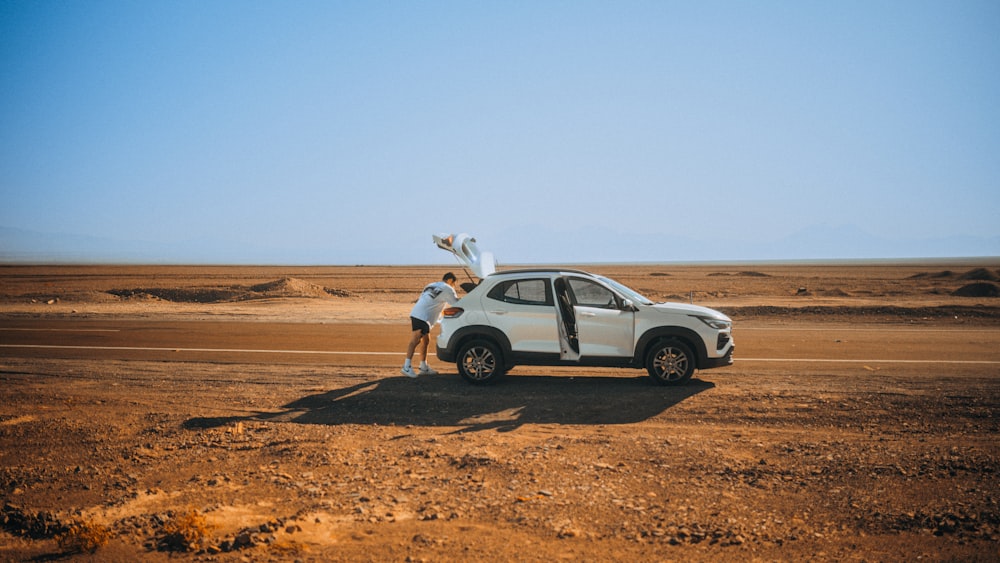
(506,405)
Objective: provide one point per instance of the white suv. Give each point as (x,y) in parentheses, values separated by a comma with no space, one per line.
(563,317)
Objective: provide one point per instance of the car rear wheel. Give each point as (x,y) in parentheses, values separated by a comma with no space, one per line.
(670,362)
(479,361)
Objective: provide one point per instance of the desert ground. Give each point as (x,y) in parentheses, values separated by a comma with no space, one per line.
(170,413)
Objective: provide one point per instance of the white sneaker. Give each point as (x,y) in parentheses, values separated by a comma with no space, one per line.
(408,372)
(428,371)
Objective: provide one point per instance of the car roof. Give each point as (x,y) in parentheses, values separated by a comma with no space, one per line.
(540,271)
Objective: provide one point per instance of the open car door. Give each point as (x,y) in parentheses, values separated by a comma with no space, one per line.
(464,248)
(569,342)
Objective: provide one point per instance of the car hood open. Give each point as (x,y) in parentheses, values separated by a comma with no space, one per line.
(464,248)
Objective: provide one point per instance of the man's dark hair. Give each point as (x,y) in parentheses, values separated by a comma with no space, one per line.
(449,276)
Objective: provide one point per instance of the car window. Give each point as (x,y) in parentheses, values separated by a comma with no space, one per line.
(590,294)
(523,292)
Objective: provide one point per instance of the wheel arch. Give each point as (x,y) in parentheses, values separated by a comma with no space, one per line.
(477,332)
(685,335)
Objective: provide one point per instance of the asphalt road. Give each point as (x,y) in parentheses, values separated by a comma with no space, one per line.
(832,348)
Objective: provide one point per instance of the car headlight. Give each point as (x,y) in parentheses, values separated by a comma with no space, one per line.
(717,324)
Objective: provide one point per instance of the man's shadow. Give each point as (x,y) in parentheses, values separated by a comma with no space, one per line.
(450,401)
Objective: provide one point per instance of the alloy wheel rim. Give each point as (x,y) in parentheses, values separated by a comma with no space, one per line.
(670,363)
(479,363)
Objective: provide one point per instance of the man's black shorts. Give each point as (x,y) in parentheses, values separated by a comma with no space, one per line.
(420,325)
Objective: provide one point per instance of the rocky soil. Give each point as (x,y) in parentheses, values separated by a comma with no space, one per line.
(131,459)
(311,465)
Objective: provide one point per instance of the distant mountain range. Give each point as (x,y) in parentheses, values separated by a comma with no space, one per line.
(523,245)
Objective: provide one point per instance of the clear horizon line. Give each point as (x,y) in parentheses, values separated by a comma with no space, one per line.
(4,262)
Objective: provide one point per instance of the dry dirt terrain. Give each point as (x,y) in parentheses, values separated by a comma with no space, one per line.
(257,414)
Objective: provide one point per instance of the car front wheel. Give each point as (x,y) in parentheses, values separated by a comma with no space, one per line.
(479,361)
(670,362)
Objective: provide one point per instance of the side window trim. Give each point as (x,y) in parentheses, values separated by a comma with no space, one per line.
(499,292)
(615,304)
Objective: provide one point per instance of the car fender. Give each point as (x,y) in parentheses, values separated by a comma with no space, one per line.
(687,335)
(472,332)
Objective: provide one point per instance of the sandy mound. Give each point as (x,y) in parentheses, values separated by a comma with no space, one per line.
(745,273)
(283,288)
(290,287)
(981,274)
(835,292)
(181,295)
(979,289)
(933,275)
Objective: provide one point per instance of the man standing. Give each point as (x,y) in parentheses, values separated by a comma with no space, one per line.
(425,313)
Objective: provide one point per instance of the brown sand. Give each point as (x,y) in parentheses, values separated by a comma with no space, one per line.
(138,427)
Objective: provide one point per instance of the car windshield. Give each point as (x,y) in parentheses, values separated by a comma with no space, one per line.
(628,292)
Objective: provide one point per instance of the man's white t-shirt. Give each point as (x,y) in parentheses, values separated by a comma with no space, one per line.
(432,302)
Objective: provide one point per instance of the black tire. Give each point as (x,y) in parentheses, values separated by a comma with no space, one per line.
(670,362)
(479,361)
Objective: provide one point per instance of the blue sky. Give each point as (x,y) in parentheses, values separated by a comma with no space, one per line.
(347,132)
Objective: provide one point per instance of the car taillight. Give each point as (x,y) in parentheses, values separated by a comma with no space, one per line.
(453,312)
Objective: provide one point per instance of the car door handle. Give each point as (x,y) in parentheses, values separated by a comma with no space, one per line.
(587,314)
(498,312)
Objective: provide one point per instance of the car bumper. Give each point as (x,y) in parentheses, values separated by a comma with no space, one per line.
(724,361)
(445,355)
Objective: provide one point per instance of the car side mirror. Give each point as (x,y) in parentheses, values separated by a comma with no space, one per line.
(627,305)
